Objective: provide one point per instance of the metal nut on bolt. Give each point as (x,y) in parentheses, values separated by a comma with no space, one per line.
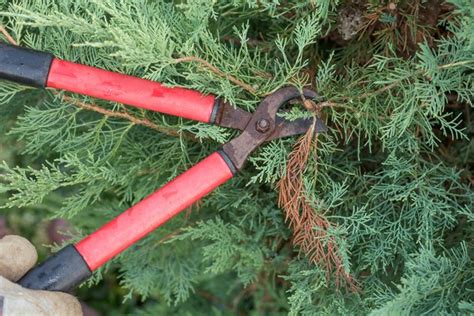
(263,125)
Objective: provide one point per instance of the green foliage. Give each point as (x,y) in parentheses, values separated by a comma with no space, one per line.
(432,284)
(393,173)
(230,249)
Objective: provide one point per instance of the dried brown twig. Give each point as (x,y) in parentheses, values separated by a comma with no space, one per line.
(7,35)
(310,230)
(124,115)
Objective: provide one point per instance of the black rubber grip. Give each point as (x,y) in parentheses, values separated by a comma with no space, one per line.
(25,66)
(61,272)
(228,161)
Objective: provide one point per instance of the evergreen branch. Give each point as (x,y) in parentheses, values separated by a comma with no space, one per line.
(217,71)
(168,237)
(124,115)
(379,91)
(459,63)
(335,102)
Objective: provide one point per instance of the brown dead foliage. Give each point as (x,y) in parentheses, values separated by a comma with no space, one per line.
(310,229)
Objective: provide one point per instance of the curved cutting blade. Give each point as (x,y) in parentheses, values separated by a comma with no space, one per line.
(265,125)
(286,128)
(237,118)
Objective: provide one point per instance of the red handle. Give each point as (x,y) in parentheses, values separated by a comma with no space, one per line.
(130,90)
(153,211)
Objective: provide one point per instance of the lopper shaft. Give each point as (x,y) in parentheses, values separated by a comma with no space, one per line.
(75,263)
(40,69)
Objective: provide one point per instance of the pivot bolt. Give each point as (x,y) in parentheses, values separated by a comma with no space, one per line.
(263,125)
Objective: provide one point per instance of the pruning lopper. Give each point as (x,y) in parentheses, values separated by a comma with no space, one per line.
(75,263)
